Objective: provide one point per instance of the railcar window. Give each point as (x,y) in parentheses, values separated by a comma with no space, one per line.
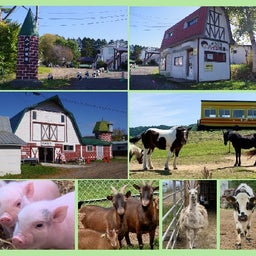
(251,113)
(224,113)
(209,113)
(238,113)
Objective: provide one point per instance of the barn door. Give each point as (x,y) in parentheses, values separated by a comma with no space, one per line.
(99,152)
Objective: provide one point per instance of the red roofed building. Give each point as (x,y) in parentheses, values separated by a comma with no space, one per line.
(197,47)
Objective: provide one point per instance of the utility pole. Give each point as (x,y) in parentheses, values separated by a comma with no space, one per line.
(37,17)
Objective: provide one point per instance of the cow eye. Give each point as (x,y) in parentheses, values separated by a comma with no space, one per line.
(249,206)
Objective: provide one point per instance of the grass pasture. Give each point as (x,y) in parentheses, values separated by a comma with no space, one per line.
(204,156)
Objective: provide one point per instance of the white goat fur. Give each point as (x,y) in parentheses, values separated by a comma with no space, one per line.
(192,218)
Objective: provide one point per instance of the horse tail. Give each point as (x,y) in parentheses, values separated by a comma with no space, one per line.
(251,153)
(135,139)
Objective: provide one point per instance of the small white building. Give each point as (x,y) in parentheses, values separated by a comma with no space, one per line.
(10,149)
(198,47)
(240,54)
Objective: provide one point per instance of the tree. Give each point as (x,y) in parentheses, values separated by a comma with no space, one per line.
(8,46)
(244,21)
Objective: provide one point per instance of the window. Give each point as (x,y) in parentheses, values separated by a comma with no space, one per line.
(238,113)
(178,61)
(224,113)
(89,148)
(68,147)
(168,34)
(209,113)
(62,118)
(214,56)
(34,115)
(190,23)
(251,113)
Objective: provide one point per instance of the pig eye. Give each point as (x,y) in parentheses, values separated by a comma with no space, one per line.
(39,225)
(18,204)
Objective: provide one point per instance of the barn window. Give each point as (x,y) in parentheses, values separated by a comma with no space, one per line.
(89,148)
(34,115)
(238,113)
(68,147)
(209,113)
(225,113)
(178,61)
(214,56)
(251,113)
(62,118)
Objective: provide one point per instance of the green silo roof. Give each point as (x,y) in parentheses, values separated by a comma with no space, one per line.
(101,126)
(29,27)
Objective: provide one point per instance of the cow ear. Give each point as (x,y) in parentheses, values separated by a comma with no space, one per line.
(253,200)
(231,199)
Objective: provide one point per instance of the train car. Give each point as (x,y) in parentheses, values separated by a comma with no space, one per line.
(219,114)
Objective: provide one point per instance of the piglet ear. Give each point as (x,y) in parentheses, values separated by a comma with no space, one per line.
(59,214)
(29,190)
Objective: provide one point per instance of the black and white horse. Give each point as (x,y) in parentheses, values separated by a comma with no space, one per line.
(239,141)
(173,138)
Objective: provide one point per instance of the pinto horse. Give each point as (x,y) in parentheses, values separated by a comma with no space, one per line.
(138,152)
(173,138)
(239,141)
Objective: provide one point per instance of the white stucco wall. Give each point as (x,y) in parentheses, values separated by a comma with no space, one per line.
(10,159)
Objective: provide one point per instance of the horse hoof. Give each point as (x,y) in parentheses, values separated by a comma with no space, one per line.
(238,246)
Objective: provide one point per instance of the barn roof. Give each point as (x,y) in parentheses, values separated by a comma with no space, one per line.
(15,120)
(7,138)
(94,142)
(191,27)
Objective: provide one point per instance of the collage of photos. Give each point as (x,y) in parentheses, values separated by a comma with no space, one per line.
(130,129)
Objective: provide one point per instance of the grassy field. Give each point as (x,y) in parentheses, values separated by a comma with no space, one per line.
(204,150)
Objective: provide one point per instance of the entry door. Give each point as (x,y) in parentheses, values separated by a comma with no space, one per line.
(190,66)
(99,152)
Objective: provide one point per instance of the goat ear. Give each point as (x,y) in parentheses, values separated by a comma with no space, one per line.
(156,188)
(128,194)
(110,198)
(136,186)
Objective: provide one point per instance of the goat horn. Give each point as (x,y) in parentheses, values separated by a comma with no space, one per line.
(150,182)
(123,188)
(114,190)
(143,182)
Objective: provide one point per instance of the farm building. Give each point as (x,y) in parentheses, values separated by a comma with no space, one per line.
(198,47)
(227,114)
(241,54)
(49,129)
(10,148)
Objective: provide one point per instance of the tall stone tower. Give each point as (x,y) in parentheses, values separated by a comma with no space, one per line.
(28,41)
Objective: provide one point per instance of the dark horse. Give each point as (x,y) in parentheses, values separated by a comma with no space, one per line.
(239,141)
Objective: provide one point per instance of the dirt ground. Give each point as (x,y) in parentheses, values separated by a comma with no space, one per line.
(206,237)
(142,78)
(115,80)
(218,170)
(94,170)
(228,232)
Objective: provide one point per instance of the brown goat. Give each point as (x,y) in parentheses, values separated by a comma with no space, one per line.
(142,216)
(94,240)
(100,218)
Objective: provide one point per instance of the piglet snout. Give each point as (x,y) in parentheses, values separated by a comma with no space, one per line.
(6,220)
(18,241)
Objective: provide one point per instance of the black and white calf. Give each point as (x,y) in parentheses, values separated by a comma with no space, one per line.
(244,202)
(174,139)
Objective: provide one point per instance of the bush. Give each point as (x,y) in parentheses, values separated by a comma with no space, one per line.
(241,72)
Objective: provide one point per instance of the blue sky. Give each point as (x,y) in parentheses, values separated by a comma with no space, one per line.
(87,107)
(175,108)
(99,22)
(148,24)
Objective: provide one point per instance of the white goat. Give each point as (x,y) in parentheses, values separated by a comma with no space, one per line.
(193,217)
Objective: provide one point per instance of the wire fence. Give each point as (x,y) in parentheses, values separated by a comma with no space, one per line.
(173,202)
(96,191)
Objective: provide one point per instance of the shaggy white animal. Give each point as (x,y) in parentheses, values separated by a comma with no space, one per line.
(193,218)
